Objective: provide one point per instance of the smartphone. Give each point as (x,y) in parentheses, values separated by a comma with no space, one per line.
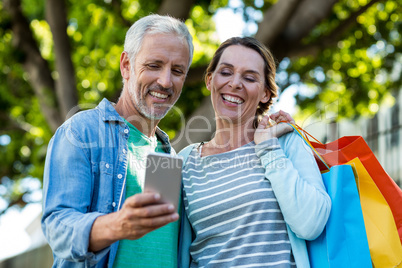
(163,175)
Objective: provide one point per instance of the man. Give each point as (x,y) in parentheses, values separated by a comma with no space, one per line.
(94,211)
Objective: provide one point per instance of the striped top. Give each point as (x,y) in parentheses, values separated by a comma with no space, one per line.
(234,212)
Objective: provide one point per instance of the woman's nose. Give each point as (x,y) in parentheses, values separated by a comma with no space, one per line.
(235,82)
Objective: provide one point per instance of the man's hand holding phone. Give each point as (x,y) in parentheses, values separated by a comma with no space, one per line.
(143,213)
(140,214)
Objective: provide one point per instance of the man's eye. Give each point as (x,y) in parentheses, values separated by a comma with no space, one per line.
(178,71)
(153,66)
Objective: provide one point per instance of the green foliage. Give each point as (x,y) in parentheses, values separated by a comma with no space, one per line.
(97,40)
(356,73)
(23,134)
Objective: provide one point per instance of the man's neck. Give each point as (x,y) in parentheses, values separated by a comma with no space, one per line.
(127,110)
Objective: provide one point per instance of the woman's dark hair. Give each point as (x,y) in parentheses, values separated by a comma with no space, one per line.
(269,67)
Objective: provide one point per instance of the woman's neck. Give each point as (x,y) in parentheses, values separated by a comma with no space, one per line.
(228,137)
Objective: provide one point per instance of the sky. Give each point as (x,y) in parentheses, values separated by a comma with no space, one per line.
(14,222)
(13,237)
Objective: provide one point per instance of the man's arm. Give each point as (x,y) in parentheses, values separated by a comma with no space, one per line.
(139,215)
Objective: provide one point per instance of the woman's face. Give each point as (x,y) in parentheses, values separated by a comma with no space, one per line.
(238,85)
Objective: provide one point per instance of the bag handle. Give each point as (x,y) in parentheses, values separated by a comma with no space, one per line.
(306,133)
(299,131)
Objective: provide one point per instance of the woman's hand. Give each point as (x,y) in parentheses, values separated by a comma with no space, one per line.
(267,131)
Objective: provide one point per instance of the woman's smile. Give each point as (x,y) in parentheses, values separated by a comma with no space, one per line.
(232,99)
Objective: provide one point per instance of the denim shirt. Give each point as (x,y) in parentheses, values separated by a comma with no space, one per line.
(84,178)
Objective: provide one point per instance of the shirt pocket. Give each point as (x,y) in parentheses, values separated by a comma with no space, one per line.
(103,187)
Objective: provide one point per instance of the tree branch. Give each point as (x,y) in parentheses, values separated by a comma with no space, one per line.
(332,38)
(33,63)
(116,4)
(66,90)
(276,19)
(12,124)
(307,16)
(179,9)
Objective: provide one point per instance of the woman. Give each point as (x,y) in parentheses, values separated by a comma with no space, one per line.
(253,193)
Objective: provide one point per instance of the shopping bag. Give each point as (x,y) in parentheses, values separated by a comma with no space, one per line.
(349,147)
(382,235)
(343,242)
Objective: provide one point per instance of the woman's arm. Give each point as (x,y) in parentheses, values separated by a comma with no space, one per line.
(297,184)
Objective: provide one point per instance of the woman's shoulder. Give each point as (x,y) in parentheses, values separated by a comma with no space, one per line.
(292,142)
(289,138)
(187,150)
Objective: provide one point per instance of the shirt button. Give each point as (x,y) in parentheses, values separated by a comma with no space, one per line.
(124,151)
(114,204)
(107,165)
(119,176)
(126,131)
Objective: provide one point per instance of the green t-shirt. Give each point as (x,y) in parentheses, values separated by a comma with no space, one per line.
(157,248)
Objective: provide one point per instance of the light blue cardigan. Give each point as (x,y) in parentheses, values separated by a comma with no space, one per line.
(297,183)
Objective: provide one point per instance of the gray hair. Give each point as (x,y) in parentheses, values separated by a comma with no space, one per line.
(154,24)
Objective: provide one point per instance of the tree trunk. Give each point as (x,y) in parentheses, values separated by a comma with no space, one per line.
(66,90)
(179,9)
(277,18)
(200,126)
(306,17)
(33,63)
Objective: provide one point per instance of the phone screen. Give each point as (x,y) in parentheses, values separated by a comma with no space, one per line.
(163,175)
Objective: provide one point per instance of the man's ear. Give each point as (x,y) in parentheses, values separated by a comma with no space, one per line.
(125,66)
(267,95)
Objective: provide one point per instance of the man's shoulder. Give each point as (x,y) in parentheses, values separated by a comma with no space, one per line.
(83,119)
(89,128)
(104,111)
(91,121)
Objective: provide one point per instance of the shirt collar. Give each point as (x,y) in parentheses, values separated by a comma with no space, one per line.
(109,113)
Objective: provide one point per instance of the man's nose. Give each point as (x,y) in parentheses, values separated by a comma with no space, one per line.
(165,78)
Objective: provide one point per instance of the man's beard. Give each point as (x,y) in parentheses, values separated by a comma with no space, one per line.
(156,111)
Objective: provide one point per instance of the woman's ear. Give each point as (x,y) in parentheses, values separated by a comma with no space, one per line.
(267,95)
(208,81)
(125,66)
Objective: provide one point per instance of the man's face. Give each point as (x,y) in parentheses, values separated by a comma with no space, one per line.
(158,75)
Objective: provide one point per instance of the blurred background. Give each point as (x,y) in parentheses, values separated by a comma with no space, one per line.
(339,73)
